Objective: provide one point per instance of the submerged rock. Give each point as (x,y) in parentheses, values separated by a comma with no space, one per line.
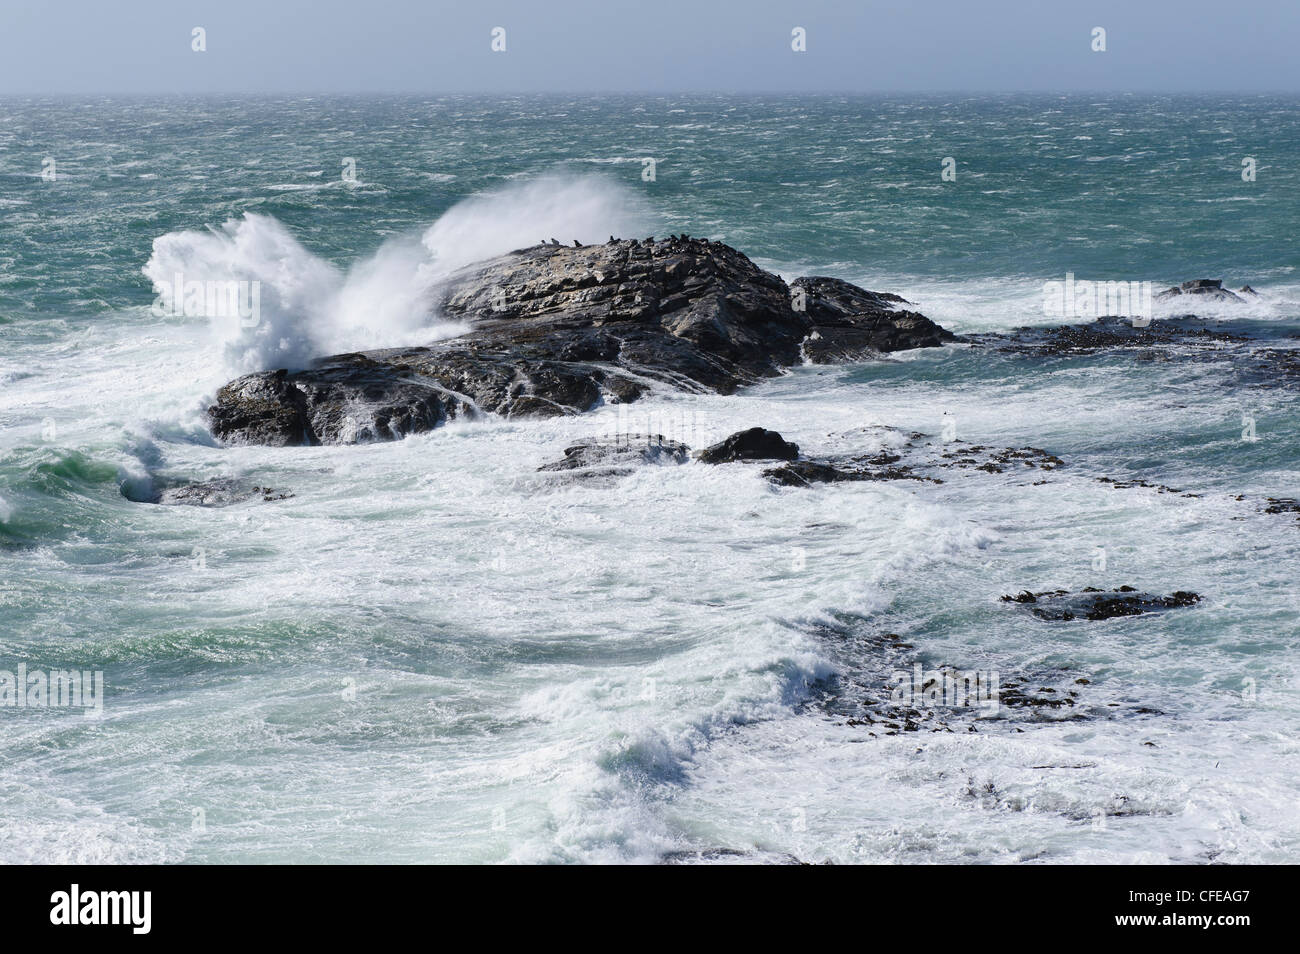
(1104,334)
(753,444)
(598,459)
(1278,505)
(1256,357)
(1095,604)
(884,685)
(219,492)
(916,459)
(557,330)
(805,473)
(1209,288)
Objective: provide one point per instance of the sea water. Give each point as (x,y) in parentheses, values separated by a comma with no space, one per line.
(430,653)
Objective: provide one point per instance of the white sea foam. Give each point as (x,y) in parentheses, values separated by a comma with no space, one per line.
(310,307)
(297,288)
(615,673)
(974,305)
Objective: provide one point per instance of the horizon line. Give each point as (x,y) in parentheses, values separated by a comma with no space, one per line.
(591,93)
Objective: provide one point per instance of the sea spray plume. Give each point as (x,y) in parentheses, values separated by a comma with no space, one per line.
(384,302)
(584,206)
(295,287)
(309,308)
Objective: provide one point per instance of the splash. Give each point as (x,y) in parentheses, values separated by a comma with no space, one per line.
(297,289)
(588,208)
(308,307)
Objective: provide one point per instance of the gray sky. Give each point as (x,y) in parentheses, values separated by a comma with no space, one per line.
(428,46)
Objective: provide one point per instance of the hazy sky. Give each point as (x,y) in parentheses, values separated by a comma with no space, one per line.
(80,46)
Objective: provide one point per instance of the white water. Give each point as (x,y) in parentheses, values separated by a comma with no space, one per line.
(311,308)
(542,671)
(556,672)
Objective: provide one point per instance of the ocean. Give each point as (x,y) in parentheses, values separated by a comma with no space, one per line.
(427,653)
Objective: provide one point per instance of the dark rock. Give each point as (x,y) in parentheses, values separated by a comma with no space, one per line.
(1093,604)
(850,323)
(1105,334)
(877,687)
(1211,288)
(1144,484)
(805,473)
(262,409)
(1283,505)
(1257,354)
(219,492)
(913,461)
(753,444)
(619,457)
(558,330)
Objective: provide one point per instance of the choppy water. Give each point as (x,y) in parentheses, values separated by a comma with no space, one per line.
(427,654)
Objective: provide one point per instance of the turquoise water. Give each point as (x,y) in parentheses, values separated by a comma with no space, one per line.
(428,654)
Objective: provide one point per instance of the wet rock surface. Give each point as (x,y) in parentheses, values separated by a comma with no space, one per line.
(919,458)
(1110,333)
(1281,505)
(219,492)
(1263,367)
(850,323)
(805,473)
(1095,604)
(756,443)
(556,330)
(1254,354)
(1129,483)
(603,459)
(1206,288)
(887,686)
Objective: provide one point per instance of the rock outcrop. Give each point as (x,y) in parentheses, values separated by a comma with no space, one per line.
(850,323)
(1108,334)
(597,460)
(1207,288)
(557,330)
(1095,604)
(217,492)
(757,443)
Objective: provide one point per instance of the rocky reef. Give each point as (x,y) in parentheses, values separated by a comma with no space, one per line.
(1095,604)
(1209,289)
(850,323)
(756,443)
(216,492)
(557,330)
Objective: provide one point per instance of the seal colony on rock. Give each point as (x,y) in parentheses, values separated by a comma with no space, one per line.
(558,330)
